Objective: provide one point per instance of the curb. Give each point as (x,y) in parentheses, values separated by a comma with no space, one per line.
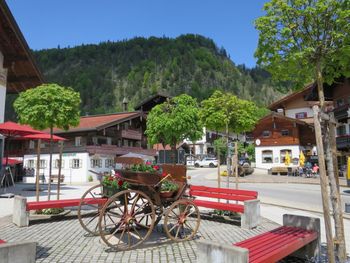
(345,215)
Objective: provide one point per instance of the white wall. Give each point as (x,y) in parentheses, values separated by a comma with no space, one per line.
(291,112)
(71,175)
(3,76)
(276,155)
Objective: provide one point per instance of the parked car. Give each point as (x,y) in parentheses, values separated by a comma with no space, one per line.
(190,160)
(206,162)
(243,160)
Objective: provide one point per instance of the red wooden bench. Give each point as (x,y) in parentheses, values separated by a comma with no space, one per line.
(277,244)
(248,206)
(22,207)
(299,236)
(2,241)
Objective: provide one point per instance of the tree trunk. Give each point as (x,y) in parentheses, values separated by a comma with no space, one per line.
(59,171)
(218,156)
(37,183)
(324,184)
(50,166)
(228,158)
(334,190)
(340,249)
(236,163)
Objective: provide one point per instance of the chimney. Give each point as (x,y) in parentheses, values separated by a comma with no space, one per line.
(125,104)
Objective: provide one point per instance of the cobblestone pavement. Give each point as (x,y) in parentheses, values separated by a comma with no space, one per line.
(65,241)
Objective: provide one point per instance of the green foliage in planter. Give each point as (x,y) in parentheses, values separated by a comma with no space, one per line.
(50,211)
(90,178)
(168,186)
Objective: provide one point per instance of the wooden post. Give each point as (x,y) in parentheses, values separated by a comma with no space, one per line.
(332,166)
(323,184)
(228,158)
(37,183)
(59,171)
(219,176)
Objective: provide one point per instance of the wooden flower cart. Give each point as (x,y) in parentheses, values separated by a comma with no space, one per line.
(126,219)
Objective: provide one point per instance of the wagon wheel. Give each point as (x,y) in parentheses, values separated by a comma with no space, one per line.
(182,220)
(126,220)
(89,209)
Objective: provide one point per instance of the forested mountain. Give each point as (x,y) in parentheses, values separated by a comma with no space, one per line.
(137,68)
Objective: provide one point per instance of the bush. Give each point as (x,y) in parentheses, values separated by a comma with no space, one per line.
(90,178)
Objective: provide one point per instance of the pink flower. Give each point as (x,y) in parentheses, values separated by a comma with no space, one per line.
(164,174)
(156,167)
(148,163)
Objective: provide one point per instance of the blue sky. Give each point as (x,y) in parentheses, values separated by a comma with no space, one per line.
(49,23)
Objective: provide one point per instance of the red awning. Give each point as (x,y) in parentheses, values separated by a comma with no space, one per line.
(11,161)
(43,136)
(11,129)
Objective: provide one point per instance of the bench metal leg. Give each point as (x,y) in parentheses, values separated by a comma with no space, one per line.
(251,216)
(18,252)
(208,252)
(312,250)
(20,215)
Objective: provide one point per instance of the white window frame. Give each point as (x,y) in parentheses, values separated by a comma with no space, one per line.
(43,163)
(76,163)
(96,163)
(77,141)
(30,163)
(31,144)
(109,163)
(283,154)
(263,157)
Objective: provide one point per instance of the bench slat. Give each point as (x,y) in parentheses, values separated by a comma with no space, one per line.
(277,244)
(222,196)
(224,190)
(63,203)
(2,241)
(220,206)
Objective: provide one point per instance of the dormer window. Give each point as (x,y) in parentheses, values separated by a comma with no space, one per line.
(285,132)
(266,134)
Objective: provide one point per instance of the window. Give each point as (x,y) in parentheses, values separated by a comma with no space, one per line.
(76,163)
(42,145)
(266,134)
(78,141)
(57,161)
(340,102)
(31,144)
(283,154)
(301,115)
(109,163)
(285,132)
(109,140)
(267,156)
(341,130)
(42,163)
(125,143)
(96,163)
(30,164)
(94,140)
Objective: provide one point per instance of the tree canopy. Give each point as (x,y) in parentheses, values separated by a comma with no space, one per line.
(298,37)
(225,109)
(174,121)
(48,106)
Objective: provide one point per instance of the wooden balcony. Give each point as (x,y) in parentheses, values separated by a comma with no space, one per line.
(131,134)
(343,142)
(341,113)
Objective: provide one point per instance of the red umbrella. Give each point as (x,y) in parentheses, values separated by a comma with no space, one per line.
(11,162)
(44,136)
(11,129)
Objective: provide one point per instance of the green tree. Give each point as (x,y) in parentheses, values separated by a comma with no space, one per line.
(173,121)
(48,106)
(303,41)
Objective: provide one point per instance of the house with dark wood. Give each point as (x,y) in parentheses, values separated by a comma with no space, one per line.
(91,146)
(276,135)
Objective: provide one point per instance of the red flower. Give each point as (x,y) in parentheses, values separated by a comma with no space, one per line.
(120,183)
(156,167)
(117,175)
(164,174)
(148,163)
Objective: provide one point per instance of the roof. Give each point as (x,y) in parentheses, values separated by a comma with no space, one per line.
(99,122)
(152,101)
(280,116)
(291,96)
(22,73)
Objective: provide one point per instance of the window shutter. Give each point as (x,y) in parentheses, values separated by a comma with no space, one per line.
(70,163)
(80,163)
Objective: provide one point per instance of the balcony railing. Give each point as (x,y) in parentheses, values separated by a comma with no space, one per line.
(341,112)
(131,134)
(343,141)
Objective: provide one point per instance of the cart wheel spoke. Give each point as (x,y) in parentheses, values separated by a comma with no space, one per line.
(137,214)
(176,224)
